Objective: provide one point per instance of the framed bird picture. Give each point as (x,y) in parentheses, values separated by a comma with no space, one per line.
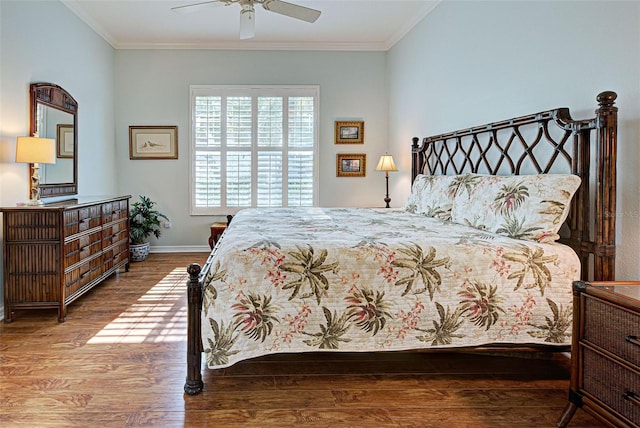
(153,142)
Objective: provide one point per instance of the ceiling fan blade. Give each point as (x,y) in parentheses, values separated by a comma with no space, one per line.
(247,22)
(190,8)
(292,10)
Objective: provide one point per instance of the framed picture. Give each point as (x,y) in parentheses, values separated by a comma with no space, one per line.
(64,141)
(351,165)
(350,132)
(153,142)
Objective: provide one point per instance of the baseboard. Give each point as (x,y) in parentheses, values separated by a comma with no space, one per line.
(180,249)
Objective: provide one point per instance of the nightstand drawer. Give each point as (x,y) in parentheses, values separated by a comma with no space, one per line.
(611,383)
(613,328)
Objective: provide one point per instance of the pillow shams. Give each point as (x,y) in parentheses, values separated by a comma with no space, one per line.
(433,195)
(531,207)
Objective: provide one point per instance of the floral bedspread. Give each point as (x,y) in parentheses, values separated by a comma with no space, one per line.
(345,279)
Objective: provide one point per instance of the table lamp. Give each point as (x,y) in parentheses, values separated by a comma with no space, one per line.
(35,150)
(386,164)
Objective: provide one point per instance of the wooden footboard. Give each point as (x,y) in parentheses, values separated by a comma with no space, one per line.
(195,286)
(194,384)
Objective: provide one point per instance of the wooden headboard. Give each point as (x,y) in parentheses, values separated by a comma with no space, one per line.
(542,143)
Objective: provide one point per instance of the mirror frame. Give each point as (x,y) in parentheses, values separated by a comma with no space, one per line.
(56,97)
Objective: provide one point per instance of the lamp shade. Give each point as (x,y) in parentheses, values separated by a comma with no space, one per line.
(386,163)
(35,150)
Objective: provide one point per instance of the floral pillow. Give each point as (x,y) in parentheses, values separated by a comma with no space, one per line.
(433,195)
(531,207)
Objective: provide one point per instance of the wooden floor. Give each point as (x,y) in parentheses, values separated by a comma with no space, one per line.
(119,361)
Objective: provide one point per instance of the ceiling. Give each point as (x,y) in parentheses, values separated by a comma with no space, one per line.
(343,25)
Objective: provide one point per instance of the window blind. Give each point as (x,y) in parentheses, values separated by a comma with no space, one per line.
(253,147)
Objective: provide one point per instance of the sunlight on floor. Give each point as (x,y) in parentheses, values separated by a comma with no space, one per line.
(159,315)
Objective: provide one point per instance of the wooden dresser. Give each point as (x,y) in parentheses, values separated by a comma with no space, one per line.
(605,365)
(56,252)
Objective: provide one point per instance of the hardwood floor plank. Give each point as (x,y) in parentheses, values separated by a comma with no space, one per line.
(505,417)
(69,420)
(119,361)
(398,381)
(327,417)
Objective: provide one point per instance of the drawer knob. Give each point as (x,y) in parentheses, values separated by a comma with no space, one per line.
(633,339)
(633,397)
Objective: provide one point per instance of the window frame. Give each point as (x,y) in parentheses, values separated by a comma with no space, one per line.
(254,91)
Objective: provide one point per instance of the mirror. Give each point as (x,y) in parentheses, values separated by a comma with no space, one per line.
(54,114)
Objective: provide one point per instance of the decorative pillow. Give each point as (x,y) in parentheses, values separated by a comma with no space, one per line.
(432,195)
(531,207)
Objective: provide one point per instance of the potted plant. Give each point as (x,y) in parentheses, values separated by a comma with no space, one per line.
(143,222)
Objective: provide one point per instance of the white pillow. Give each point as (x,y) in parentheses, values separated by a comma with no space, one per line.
(531,207)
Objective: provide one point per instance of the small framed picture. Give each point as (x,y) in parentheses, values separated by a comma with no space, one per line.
(64,141)
(153,142)
(350,132)
(351,165)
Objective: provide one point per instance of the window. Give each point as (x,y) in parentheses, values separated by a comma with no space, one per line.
(253,147)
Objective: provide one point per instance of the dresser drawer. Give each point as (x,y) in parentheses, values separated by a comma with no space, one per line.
(32,226)
(612,384)
(114,255)
(31,271)
(114,211)
(81,219)
(608,326)
(115,233)
(82,275)
(81,248)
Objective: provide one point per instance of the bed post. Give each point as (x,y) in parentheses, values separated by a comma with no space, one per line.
(417,161)
(605,197)
(194,384)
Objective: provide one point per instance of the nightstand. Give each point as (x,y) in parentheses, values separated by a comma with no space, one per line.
(605,353)
(216,231)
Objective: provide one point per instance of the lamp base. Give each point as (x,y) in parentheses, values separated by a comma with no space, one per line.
(387,199)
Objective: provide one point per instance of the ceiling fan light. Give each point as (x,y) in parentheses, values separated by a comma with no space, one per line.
(247,23)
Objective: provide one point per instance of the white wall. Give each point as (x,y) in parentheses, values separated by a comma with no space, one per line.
(42,41)
(152,88)
(469,63)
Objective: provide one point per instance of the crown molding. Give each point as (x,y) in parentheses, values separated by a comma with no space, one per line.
(101,31)
(264,46)
(253,45)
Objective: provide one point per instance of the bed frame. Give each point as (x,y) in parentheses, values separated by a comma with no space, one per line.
(541,143)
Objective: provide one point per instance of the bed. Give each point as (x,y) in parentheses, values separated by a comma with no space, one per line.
(501,219)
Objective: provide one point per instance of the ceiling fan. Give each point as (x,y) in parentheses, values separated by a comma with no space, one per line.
(247,24)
